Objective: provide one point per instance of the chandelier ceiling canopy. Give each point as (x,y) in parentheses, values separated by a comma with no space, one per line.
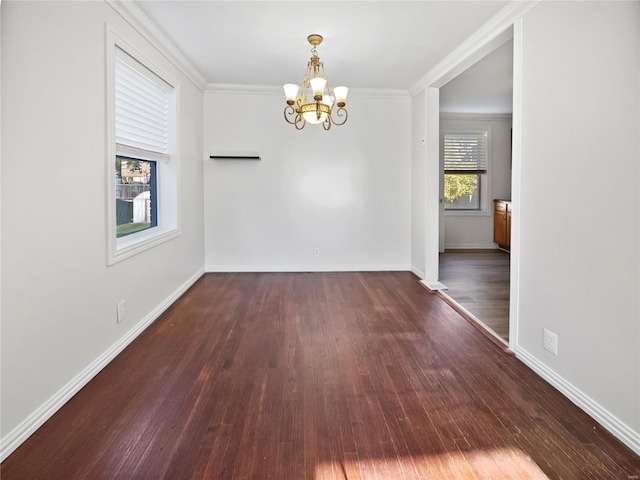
(313,101)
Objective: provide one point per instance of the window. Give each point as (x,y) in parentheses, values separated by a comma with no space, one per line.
(142,165)
(136,195)
(465,170)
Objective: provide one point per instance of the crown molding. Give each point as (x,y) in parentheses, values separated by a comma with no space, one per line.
(240,89)
(496,32)
(379,93)
(135,17)
(237,89)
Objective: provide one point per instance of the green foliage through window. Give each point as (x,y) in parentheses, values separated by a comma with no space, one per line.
(456,186)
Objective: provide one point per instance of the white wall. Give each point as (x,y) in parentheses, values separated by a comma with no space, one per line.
(345,191)
(418,175)
(580,209)
(58,295)
(475,230)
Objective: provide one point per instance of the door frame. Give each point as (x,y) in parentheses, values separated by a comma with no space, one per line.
(507,24)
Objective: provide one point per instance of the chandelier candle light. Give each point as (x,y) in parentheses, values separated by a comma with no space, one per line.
(313,103)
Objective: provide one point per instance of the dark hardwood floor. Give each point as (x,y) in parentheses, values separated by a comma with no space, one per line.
(317,376)
(478,281)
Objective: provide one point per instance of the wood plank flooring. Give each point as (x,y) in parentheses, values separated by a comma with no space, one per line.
(317,376)
(478,280)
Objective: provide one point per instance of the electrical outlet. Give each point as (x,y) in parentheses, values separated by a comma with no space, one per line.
(316,252)
(122,311)
(551,341)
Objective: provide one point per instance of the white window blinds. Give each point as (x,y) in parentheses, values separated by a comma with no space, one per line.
(465,153)
(141,110)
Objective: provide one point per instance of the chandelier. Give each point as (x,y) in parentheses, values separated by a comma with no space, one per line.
(313,102)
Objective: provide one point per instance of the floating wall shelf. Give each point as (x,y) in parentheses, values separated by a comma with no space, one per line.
(234,157)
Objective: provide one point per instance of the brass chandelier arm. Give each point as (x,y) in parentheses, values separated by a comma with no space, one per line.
(300,122)
(289,111)
(340,112)
(294,117)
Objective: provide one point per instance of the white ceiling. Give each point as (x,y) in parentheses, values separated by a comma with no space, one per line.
(371,44)
(367,44)
(486,87)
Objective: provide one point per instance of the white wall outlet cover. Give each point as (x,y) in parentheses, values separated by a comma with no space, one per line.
(550,341)
(122,312)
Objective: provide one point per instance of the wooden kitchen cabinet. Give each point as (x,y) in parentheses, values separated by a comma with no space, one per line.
(502,223)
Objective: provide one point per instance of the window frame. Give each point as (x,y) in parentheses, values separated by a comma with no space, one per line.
(167,170)
(485,178)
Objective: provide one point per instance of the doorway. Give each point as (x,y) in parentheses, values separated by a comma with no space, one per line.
(476,104)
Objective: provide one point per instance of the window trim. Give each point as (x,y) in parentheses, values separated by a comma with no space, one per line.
(168,173)
(485,186)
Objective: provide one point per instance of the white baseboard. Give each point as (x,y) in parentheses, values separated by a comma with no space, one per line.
(34,421)
(304,268)
(471,246)
(417,272)
(613,424)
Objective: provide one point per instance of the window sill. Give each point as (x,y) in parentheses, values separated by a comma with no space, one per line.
(136,243)
(467,213)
